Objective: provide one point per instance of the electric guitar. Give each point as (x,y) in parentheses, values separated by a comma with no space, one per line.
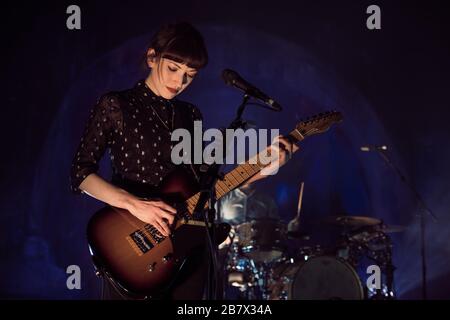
(139,260)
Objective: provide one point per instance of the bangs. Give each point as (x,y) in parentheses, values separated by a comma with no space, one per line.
(187,52)
(181,43)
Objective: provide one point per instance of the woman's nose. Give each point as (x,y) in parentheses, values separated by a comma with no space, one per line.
(179,81)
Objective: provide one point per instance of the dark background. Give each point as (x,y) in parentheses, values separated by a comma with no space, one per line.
(391,84)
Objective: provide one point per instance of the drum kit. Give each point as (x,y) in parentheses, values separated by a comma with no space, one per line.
(259,264)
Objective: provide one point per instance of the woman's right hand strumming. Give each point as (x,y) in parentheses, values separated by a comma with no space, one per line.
(157,213)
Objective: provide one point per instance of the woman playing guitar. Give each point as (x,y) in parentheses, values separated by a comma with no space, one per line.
(135,125)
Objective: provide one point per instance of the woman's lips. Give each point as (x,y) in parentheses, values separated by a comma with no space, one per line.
(172,90)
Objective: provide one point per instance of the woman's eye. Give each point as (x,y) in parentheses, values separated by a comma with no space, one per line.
(172,69)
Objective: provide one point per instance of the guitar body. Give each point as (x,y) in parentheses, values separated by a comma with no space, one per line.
(125,250)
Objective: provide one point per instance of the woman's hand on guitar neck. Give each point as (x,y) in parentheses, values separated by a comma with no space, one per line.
(281,150)
(284,149)
(157,213)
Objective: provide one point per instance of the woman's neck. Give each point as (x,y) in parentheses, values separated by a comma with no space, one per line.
(151,86)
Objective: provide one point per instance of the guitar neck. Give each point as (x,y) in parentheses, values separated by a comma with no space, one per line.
(245,171)
(240,174)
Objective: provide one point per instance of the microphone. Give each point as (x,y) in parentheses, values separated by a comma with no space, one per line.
(232,78)
(373,148)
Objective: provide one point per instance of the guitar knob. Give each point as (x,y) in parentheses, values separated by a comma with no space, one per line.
(167,258)
(151,267)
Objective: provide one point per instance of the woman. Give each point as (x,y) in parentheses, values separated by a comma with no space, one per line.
(136,125)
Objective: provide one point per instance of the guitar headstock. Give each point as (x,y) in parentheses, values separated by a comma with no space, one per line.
(316,124)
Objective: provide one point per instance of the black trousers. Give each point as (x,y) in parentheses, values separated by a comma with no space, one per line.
(189,283)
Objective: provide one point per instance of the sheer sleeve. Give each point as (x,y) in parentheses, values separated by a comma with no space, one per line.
(104,118)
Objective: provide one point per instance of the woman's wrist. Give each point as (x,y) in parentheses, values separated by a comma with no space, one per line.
(126,200)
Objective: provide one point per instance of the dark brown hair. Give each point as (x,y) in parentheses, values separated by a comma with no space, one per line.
(182,43)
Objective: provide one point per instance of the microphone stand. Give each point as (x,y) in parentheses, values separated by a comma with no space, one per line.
(423,208)
(208,195)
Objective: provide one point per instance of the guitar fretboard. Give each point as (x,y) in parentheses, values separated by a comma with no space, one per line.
(238,175)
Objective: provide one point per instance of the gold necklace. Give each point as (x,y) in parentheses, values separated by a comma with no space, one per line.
(162,121)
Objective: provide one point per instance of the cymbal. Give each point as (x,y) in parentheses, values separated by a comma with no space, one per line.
(352,221)
(390,228)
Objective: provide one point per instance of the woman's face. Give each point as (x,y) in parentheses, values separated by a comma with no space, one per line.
(168,78)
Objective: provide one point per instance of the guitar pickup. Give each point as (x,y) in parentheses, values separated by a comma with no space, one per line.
(141,241)
(156,235)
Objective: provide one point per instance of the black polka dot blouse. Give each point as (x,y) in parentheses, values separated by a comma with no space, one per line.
(135,126)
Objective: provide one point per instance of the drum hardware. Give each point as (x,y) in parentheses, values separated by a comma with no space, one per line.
(294,229)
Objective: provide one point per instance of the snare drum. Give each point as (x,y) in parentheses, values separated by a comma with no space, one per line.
(318,278)
(262,240)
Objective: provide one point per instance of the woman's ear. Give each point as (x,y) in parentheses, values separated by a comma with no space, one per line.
(151,57)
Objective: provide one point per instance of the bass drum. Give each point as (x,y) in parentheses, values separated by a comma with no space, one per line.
(318,278)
